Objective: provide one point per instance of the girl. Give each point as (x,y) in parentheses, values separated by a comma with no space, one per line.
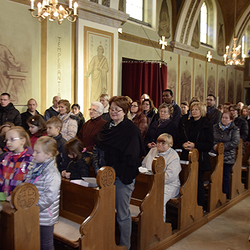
(37,128)
(44,174)
(78,166)
(13,167)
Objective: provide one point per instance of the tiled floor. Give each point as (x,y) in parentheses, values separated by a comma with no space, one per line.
(229,231)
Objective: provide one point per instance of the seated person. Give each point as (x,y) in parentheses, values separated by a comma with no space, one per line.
(78,167)
(75,108)
(92,127)
(54,126)
(172,166)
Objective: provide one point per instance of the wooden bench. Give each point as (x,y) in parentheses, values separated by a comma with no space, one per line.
(148,197)
(215,195)
(87,215)
(186,205)
(19,226)
(246,167)
(237,187)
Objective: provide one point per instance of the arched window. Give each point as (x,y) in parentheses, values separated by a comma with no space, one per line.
(203,24)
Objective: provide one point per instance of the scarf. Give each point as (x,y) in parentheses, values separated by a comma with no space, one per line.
(161,121)
(222,127)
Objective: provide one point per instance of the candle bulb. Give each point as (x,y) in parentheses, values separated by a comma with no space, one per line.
(32,4)
(70,4)
(75,8)
(39,8)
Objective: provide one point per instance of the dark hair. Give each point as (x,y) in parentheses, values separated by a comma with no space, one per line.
(184,103)
(122,102)
(6,94)
(6,124)
(212,96)
(75,105)
(74,147)
(168,90)
(235,107)
(38,121)
(139,105)
(230,115)
(151,103)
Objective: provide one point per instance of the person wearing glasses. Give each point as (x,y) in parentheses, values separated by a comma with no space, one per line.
(138,118)
(122,148)
(163,125)
(213,115)
(92,127)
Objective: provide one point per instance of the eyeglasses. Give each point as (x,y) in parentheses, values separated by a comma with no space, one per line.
(12,139)
(134,106)
(115,110)
(93,110)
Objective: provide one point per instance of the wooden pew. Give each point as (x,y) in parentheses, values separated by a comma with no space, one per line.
(186,203)
(87,215)
(237,187)
(19,226)
(148,195)
(246,167)
(215,195)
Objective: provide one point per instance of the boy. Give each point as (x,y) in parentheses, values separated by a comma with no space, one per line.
(54,126)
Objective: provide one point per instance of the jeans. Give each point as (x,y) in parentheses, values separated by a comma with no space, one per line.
(226,178)
(47,240)
(122,202)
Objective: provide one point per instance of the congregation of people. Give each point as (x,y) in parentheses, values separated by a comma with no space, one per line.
(122,133)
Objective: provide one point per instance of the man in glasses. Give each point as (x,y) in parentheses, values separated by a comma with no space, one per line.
(213,114)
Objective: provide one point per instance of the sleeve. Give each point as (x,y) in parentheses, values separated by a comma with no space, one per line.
(244,130)
(18,119)
(234,140)
(52,186)
(46,115)
(82,170)
(172,168)
(205,141)
(71,129)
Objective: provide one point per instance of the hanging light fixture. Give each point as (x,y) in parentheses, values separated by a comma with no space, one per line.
(236,51)
(50,9)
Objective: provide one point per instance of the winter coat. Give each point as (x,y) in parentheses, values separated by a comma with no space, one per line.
(241,123)
(201,134)
(10,114)
(230,138)
(69,128)
(213,115)
(50,112)
(142,122)
(48,184)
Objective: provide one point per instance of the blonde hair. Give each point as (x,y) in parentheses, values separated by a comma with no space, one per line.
(201,106)
(48,144)
(65,103)
(167,138)
(22,134)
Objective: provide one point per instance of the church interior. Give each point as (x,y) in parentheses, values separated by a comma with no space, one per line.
(186,39)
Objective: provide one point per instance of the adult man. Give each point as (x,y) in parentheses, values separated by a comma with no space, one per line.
(32,105)
(53,110)
(213,114)
(8,113)
(167,97)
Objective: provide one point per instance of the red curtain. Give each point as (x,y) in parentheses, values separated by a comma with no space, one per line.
(144,77)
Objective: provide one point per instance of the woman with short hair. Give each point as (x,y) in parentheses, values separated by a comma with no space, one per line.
(69,120)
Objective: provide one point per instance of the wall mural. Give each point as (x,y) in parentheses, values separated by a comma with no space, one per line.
(221,84)
(221,47)
(164,21)
(230,84)
(211,76)
(199,73)
(185,77)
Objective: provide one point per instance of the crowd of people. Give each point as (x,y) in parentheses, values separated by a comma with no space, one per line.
(120,133)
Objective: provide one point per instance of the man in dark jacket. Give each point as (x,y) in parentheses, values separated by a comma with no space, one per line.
(8,113)
(32,105)
(213,114)
(53,110)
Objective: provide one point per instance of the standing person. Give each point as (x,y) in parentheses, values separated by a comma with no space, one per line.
(167,97)
(138,118)
(213,114)
(149,109)
(69,120)
(226,132)
(53,110)
(31,111)
(8,113)
(13,167)
(197,133)
(244,112)
(76,111)
(44,174)
(121,142)
(104,100)
(184,108)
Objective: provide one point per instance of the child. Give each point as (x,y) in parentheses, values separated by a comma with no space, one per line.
(172,169)
(54,126)
(14,164)
(78,167)
(37,128)
(3,129)
(44,174)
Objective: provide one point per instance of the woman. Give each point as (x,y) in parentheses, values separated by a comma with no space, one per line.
(244,112)
(76,111)
(197,133)
(149,109)
(69,120)
(172,166)
(104,100)
(227,132)
(92,127)
(163,125)
(138,118)
(121,142)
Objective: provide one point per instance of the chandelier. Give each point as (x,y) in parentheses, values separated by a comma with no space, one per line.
(235,50)
(50,9)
